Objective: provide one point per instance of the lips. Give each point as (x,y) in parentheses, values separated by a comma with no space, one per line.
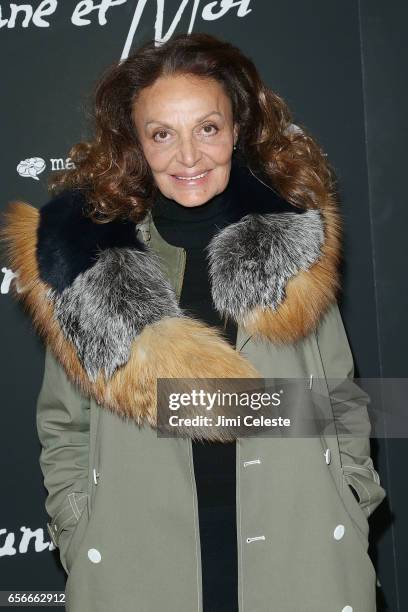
(198,179)
(183,177)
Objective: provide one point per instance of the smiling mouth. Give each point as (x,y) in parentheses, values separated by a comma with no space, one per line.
(196,177)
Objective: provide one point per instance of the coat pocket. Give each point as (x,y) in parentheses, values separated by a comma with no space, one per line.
(366,482)
(355,511)
(68,526)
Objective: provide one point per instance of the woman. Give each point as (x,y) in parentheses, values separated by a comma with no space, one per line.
(197,237)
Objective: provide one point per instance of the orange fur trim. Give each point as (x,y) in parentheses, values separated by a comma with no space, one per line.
(308,294)
(172,348)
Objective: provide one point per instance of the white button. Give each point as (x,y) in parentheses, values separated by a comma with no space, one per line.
(327,455)
(347,609)
(338,533)
(94,555)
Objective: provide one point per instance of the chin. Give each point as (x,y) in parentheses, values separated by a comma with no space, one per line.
(193,199)
(188,197)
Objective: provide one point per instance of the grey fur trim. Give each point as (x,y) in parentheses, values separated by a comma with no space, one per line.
(251,261)
(109,304)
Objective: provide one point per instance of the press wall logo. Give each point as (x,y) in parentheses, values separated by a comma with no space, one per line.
(7,278)
(87,12)
(33,166)
(29,540)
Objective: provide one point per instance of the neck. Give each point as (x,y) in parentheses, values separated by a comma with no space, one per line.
(192,226)
(167,208)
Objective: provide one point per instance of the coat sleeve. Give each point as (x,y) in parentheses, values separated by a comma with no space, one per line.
(349,404)
(63,420)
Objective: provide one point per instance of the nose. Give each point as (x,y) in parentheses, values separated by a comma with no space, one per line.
(188,153)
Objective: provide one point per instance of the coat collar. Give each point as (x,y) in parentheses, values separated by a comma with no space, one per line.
(275,268)
(98,297)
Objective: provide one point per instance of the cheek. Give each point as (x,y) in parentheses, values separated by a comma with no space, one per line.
(157,160)
(220,152)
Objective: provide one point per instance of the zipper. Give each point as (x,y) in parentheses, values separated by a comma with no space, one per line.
(238,519)
(196,527)
(94,459)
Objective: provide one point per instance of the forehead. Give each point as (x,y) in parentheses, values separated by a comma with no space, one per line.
(181,94)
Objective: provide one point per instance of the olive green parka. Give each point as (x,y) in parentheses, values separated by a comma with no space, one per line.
(122,500)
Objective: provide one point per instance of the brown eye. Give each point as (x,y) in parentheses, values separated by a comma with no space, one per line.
(210,129)
(159,132)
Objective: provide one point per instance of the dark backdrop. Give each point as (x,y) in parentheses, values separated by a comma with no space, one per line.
(340,66)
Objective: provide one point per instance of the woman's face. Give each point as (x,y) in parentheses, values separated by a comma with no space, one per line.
(185,127)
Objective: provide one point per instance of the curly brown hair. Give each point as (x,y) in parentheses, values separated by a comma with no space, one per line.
(113,169)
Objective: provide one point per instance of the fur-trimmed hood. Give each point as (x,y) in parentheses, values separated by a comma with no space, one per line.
(97,296)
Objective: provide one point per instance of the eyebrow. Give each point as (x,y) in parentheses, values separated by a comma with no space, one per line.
(197,121)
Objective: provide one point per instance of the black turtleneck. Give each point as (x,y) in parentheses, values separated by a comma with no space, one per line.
(214,462)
